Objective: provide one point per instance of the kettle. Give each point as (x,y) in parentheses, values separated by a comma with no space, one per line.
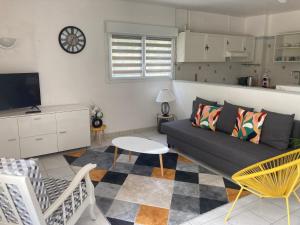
(249,81)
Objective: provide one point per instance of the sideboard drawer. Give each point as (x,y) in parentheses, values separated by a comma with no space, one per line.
(39,145)
(37,125)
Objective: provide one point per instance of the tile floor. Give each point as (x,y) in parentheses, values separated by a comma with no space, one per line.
(250,209)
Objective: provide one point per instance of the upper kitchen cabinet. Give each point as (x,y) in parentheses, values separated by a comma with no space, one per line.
(214,48)
(190,47)
(200,47)
(234,43)
(249,48)
(287,48)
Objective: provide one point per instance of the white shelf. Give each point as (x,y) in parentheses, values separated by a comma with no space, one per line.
(292,47)
(286,61)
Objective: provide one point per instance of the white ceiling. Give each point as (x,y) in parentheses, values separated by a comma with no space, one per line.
(231,7)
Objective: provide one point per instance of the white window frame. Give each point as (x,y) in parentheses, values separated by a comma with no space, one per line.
(143,75)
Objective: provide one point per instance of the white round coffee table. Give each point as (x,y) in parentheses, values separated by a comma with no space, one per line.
(140,145)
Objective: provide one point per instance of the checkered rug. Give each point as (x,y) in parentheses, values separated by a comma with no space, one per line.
(134,192)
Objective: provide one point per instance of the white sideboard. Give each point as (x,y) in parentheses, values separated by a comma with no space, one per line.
(55,129)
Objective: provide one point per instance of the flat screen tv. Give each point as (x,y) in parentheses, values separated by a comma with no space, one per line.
(19,90)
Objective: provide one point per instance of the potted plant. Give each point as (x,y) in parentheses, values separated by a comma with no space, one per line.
(96,116)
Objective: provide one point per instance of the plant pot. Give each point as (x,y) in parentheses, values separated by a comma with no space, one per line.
(96,122)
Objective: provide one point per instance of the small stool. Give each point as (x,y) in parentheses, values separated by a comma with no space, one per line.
(99,132)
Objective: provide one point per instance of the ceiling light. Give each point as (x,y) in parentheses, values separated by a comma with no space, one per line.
(282,1)
(7,42)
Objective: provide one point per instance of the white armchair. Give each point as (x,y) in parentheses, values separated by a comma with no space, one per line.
(28,199)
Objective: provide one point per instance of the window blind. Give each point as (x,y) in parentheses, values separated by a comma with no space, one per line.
(158,56)
(126,56)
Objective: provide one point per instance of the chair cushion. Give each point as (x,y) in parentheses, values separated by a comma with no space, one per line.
(277,130)
(55,187)
(228,116)
(248,125)
(196,104)
(219,144)
(30,169)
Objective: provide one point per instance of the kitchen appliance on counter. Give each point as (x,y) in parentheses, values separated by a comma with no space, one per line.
(245,81)
(266,81)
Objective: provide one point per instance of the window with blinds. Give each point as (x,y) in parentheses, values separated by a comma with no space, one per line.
(158,57)
(126,56)
(141,56)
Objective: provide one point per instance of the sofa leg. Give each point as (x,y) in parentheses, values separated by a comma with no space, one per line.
(92,212)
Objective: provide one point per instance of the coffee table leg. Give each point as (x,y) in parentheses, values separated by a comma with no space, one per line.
(161,165)
(115,156)
(129,156)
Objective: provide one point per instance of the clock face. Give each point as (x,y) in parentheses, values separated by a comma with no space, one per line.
(72,39)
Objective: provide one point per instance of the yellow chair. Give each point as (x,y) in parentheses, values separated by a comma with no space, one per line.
(278,177)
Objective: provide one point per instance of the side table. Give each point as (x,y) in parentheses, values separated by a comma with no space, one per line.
(163,119)
(99,132)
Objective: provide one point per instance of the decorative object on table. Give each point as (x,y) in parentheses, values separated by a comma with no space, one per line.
(99,133)
(96,116)
(277,177)
(7,42)
(163,119)
(165,96)
(72,39)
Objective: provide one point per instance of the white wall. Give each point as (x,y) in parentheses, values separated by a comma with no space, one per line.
(209,22)
(81,78)
(277,101)
(270,25)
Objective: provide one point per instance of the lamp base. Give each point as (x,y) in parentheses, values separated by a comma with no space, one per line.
(165,109)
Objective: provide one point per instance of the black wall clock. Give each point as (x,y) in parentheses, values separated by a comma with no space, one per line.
(72,39)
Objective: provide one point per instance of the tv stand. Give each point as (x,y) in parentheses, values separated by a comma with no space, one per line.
(34,109)
(55,129)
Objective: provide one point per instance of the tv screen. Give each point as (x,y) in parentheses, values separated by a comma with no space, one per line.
(19,90)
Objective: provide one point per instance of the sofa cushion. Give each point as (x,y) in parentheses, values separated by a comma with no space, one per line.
(277,130)
(221,145)
(228,116)
(248,125)
(196,104)
(207,117)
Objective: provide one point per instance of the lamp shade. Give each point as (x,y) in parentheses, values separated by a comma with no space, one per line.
(165,95)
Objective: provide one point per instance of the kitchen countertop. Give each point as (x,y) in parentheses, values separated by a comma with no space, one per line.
(294,88)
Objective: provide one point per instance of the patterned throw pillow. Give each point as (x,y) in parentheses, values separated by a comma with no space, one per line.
(207,116)
(248,125)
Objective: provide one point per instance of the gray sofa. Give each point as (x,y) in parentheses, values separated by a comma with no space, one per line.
(217,150)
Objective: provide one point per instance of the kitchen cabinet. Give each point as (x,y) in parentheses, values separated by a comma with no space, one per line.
(214,48)
(235,43)
(190,47)
(204,47)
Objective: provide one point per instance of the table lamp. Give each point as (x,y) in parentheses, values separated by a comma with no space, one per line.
(165,96)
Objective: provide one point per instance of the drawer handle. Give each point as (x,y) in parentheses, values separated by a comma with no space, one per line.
(37,118)
(39,139)
(11,140)
(63,132)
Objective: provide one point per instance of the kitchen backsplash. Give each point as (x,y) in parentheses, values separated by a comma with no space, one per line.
(209,72)
(228,72)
